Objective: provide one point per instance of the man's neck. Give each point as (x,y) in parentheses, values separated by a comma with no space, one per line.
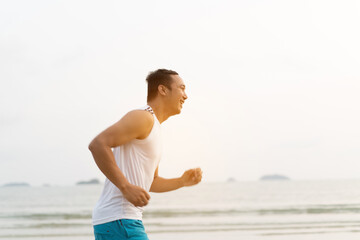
(159,110)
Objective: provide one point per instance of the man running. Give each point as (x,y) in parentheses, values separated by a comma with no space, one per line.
(131,169)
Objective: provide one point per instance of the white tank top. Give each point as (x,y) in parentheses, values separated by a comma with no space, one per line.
(137,160)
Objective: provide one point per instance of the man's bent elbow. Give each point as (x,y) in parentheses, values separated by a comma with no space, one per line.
(152,187)
(94,144)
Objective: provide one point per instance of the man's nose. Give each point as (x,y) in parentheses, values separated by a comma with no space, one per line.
(185,96)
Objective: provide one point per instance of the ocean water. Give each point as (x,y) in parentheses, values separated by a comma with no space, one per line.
(268,210)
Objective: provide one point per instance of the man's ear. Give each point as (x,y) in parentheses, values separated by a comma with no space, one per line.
(162,89)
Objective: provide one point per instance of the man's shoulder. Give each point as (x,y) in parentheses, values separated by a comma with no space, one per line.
(139,122)
(139,116)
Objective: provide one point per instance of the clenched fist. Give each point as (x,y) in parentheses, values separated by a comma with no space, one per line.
(136,195)
(191,177)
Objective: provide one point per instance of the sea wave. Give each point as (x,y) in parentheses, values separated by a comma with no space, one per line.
(195,212)
(292,210)
(47,216)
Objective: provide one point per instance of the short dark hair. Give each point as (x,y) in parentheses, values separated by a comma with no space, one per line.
(156,78)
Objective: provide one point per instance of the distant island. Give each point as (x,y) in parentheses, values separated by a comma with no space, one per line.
(274,177)
(16,184)
(231,179)
(91,181)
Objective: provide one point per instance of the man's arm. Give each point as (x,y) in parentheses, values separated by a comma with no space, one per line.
(189,178)
(134,125)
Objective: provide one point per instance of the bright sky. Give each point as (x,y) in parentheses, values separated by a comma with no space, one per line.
(273,86)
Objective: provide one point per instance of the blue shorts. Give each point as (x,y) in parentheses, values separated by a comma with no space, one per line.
(123,229)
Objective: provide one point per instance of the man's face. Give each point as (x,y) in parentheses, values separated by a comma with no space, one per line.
(177,95)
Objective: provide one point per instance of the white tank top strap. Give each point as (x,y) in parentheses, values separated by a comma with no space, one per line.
(149,109)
